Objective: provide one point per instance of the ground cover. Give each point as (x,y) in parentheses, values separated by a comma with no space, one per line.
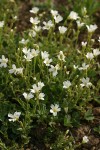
(49,75)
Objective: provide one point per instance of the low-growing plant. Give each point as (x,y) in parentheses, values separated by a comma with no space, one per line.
(48,78)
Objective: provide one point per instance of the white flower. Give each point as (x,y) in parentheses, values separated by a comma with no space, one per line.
(20,70)
(3,61)
(54,13)
(37,28)
(34,10)
(61,56)
(85,139)
(13,70)
(79,24)
(90,56)
(54,70)
(15,17)
(66,84)
(96,52)
(84,67)
(32,33)
(34,52)
(85,82)
(93,40)
(16,70)
(44,55)
(14,117)
(84,10)
(12,0)
(23,41)
(65,67)
(84,44)
(62,29)
(48,25)
(1,24)
(40,85)
(91,28)
(25,50)
(28,56)
(34,78)
(55,109)
(41,96)
(73,15)
(58,18)
(28,96)
(37,88)
(99,39)
(47,61)
(67,72)
(75,67)
(35,20)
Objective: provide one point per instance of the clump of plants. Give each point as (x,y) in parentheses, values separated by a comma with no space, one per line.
(48,79)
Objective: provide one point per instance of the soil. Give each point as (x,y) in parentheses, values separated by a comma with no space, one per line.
(86,128)
(23,16)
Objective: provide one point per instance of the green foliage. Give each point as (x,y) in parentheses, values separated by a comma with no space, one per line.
(91,6)
(97,129)
(63,142)
(88,115)
(47,77)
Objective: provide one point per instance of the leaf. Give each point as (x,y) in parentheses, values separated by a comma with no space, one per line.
(67,121)
(97,100)
(97,129)
(76,118)
(89,115)
(91,73)
(5,107)
(22,103)
(2,145)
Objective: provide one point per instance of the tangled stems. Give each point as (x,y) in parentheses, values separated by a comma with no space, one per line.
(89,40)
(77,35)
(61,69)
(61,39)
(34,65)
(69,29)
(1,38)
(61,65)
(25,125)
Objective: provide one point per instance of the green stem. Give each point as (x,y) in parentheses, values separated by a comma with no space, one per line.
(69,27)
(34,65)
(77,34)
